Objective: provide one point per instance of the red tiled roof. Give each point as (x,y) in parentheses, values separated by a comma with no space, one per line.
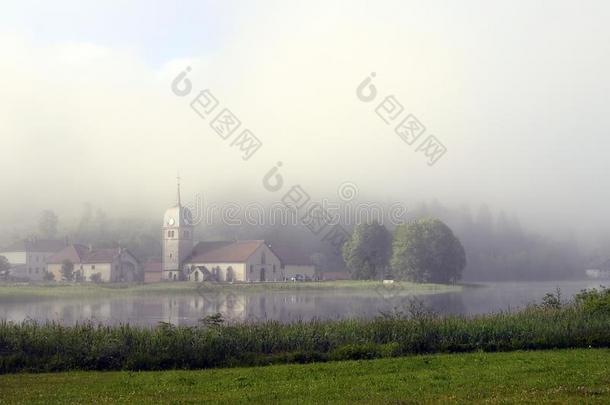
(224,252)
(82,254)
(101,255)
(73,253)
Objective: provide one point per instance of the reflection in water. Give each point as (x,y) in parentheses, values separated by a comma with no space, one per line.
(282,306)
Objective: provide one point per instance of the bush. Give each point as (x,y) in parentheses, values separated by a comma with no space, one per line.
(594,301)
(362,351)
(552,300)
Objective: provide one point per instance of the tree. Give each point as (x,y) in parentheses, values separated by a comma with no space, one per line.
(427,251)
(368,250)
(5,266)
(48,276)
(67,270)
(78,276)
(47,224)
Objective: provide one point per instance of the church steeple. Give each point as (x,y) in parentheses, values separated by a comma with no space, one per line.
(178,178)
(177,237)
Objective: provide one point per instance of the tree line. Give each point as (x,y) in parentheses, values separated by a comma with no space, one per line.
(497,247)
(424,251)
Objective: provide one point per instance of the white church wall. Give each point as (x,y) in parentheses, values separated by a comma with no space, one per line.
(238,270)
(258,271)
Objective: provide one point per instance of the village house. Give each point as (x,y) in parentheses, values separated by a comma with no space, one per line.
(28,257)
(153,270)
(91,264)
(295,264)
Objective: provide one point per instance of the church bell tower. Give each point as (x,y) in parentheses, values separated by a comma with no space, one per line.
(177,239)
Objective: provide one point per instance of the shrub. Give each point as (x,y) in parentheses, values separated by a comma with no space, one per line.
(594,301)
(552,300)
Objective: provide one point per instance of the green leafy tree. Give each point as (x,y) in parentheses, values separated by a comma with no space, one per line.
(4,267)
(47,224)
(367,252)
(67,270)
(427,251)
(48,276)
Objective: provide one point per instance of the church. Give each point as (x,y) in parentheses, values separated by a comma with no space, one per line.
(221,261)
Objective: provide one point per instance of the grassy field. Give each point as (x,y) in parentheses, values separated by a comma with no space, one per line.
(65,290)
(560,376)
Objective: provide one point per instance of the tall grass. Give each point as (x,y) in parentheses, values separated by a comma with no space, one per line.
(29,346)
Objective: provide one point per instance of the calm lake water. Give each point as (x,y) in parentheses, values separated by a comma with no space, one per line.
(286,306)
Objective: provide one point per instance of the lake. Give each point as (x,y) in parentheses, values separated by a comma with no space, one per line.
(285,306)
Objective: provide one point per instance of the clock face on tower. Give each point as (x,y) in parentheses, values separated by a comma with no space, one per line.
(171,222)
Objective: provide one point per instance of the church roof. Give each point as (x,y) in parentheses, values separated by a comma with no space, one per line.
(178,215)
(224,251)
(36,245)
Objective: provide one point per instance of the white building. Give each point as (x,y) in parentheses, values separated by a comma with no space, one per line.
(245,260)
(600,272)
(223,261)
(106,265)
(28,258)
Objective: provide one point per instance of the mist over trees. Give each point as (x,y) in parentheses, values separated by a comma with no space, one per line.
(497,246)
(47,224)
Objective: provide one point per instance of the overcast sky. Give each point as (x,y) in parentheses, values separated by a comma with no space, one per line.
(517,91)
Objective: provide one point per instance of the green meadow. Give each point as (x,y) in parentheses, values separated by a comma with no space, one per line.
(557,377)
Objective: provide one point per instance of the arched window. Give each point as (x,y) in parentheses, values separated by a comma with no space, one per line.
(263,259)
